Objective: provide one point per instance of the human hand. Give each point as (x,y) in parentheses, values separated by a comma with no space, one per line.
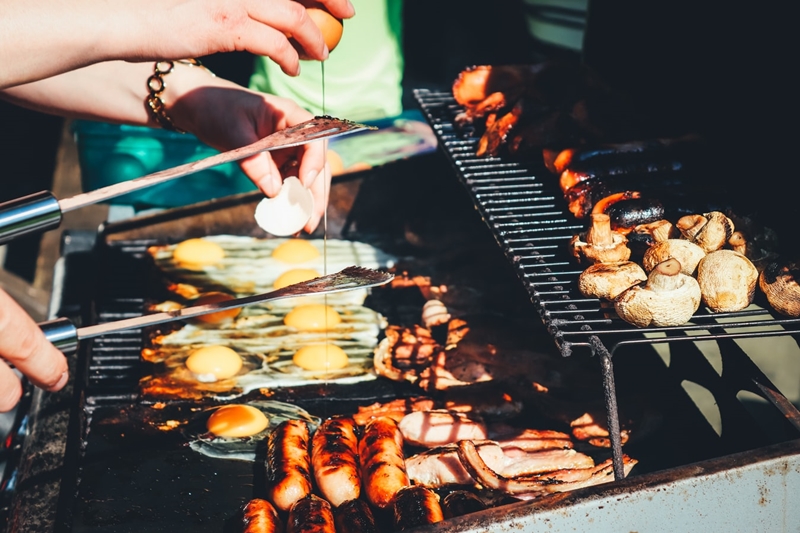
(23,345)
(225,115)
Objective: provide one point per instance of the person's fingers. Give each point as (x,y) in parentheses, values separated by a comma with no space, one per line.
(23,345)
(320,189)
(342,9)
(293,21)
(312,161)
(10,388)
(263,172)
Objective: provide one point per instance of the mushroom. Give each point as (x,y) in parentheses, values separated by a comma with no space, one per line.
(780,281)
(668,298)
(710,231)
(686,252)
(727,281)
(608,280)
(659,230)
(600,244)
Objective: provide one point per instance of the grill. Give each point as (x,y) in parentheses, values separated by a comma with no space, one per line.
(530,222)
(107,477)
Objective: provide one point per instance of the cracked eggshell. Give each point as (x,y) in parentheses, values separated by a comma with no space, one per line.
(288,212)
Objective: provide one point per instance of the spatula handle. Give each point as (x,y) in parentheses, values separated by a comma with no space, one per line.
(62,333)
(36,212)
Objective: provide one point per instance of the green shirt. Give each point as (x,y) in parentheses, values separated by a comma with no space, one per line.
(363,74)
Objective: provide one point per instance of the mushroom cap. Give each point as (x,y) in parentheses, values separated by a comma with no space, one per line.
(608,280)
(779,282)
(688,253)
(727,281)
(710,230)
(647,304)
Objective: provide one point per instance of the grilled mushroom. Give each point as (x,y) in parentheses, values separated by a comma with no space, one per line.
(687,253)
(600,244)
(608,280)
(727,281)
(668,298)
(780,281)
(710,231)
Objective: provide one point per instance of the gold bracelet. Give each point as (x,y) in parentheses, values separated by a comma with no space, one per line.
(156,85)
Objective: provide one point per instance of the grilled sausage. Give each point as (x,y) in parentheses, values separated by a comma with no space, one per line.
(288,468)
(383,468)
(354,516)
(310,514)
(259,516)
(334,460)
(416,506)
(461,502)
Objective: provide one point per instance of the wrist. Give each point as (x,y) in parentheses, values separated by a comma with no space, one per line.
(170,81)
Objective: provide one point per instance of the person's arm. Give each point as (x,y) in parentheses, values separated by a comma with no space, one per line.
(220,113)
(23,345)
(49,37)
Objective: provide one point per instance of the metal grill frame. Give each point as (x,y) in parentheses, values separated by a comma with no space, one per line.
(520,203)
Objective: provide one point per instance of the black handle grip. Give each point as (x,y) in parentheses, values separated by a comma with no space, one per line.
(62,333)
(30,214)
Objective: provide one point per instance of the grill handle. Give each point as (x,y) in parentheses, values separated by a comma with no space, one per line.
(62,333)
(36,212)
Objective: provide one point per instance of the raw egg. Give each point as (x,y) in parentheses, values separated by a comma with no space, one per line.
(320,357)
(295,251)
(194,254)
(220,316)
(288,212)
(296,275)
(312,317)
(212,363)
(237,421)
(330,27)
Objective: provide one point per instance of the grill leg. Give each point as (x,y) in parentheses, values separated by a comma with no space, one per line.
(609,388)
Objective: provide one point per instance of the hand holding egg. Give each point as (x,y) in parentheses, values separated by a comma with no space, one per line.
(331,27)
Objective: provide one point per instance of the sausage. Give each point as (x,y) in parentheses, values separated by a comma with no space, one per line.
(310,514)
(416,506)
(334,460)
(354,516)
(288,468)
(461,502)
(383,468)
(259,516)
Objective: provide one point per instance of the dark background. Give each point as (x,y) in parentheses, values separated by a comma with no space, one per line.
(718,68)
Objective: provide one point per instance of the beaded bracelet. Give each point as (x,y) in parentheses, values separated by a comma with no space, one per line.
(157,85)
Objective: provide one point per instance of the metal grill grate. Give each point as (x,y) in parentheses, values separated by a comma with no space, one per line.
(524,209)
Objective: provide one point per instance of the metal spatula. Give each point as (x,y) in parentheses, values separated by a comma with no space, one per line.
(65,336)
(42,211)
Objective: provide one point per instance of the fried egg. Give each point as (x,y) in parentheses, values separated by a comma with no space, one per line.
(320,357)
(312,317)
(197,254)
(220,316)
(234,431)
(214,362)
(295,251)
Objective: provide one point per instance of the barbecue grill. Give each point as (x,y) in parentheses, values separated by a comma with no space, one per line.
(79,460)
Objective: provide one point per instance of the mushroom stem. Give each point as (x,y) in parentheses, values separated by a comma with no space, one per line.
(664,277)
(691,225)
(738,242)
(600,232)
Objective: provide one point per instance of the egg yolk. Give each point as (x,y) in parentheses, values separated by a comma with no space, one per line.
(211,363)
(237,421)
(220,316)
(295,251)
(290,277)
(320,357)
(195,254)
(312,317)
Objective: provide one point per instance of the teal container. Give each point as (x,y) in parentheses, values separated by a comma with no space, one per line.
(112,153)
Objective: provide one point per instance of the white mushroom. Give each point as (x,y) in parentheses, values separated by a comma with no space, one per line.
(668,298)
(608,280)
(600,244)
(687,253)
(710,231)
(727,281)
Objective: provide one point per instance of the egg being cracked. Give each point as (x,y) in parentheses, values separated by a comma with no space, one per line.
(288,212)
(234,431)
